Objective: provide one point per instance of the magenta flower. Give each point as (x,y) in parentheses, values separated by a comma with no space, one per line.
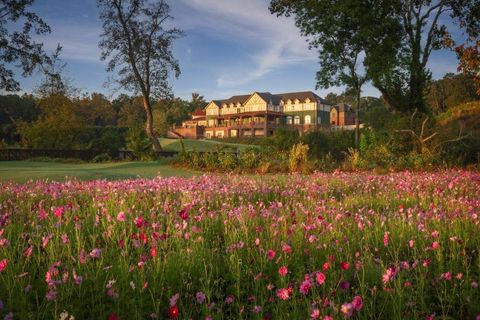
(386,238)
(3,265)
(305,286)
(320,278)
(283,294)
(357,303)
(229,299)
(59,212)
(200,296)
(389,275)
(435,245)
(174,299)
(283,271)
(270,255)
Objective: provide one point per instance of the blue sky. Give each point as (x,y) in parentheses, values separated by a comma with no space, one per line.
(231,47)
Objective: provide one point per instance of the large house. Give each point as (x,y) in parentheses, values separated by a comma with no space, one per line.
(259,114)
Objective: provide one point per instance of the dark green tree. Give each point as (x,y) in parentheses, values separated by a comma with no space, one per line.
(17,46)
(398,37)
(139,44)
(197,102)
(335,30)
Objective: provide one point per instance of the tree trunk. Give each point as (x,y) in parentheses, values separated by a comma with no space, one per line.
(357,123)
(149,125)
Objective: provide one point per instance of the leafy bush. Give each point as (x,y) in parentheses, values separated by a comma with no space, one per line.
(227,160)
(102,157)
(249,158)
(138,142)
(298,160)
(284,139)
(210,160)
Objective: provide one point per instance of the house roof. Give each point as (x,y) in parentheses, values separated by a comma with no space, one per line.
(274,98)
(199,113)
(237,99)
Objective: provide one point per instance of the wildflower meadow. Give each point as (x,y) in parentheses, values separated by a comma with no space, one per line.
(323,246)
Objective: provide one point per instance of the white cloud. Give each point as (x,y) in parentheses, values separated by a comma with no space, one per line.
(275,42)
(79,42)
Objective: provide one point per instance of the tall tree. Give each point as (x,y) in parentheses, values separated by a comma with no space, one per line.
(397,58)
(399,37)
(197,102)
(135,37)
(335,30)
(17,46)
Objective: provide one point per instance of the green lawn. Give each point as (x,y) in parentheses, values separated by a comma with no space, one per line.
(21,171)
(199,145)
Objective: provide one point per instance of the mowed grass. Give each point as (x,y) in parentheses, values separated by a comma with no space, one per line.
(22,171)
(199,145)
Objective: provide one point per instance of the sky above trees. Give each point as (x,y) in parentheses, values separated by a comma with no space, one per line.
(231,47)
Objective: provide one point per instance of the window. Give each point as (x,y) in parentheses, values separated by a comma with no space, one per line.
(289,120)
(297,120)
(319,120)
(308,119)
(239,110)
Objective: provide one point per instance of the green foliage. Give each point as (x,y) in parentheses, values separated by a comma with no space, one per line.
(103,157)
(249,158)
(298,160)
(449,92)
(284,139)
(227,160)
(138,142)
(59,126)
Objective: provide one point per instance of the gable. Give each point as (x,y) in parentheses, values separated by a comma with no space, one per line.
(255,99)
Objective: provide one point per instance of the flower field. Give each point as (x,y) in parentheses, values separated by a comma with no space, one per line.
(325,246)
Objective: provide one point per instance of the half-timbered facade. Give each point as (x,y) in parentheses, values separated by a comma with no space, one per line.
(261,113)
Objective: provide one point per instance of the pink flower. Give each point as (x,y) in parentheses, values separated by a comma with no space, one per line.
(459,276)
(283,294)
(305,286)
(389,275)
(28,252)
(3,265)
(411,243)
(347,310)
(121,216)
(96,253)
(183,214)
(283,271)
(42,214)
(327,318)
(229,299)
(326,266)
(345,265)
(200,297)
(286,248)
(59,212)
(315,314)
(446,276)
(320,278)
(435,245)
(270,255)
(139,222)
(174,299)
(386,238)
(357,303)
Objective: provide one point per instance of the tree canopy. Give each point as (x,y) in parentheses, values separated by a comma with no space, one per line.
(17,46)
(397,38)
(140,49)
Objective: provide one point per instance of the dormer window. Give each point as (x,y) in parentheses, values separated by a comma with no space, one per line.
(239,110)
